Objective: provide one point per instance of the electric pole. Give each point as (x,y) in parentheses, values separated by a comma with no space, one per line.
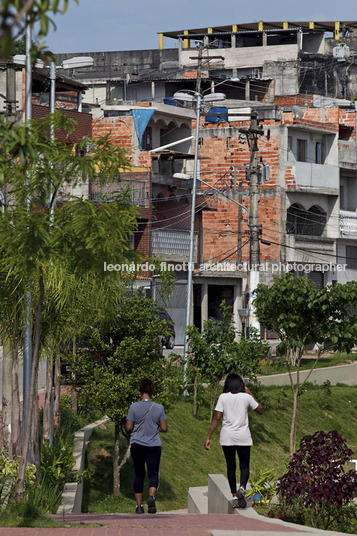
(252,134)
(253,172)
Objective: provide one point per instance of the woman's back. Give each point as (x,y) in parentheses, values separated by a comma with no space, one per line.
(235,424)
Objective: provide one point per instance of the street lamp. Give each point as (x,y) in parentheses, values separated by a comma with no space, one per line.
(71,63)
(20,59)
(197,98)
(25,60)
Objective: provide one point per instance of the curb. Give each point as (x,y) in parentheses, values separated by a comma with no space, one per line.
(73,491)
(218,498)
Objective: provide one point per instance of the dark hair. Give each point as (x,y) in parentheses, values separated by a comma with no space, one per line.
(233,384)
(146,386)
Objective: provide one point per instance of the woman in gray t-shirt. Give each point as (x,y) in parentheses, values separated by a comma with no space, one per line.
(144,421)
(233,405)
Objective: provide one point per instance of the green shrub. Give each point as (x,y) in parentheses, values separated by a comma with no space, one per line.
(342,519)
(9,470)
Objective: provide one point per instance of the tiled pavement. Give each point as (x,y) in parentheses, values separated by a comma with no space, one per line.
(165,524)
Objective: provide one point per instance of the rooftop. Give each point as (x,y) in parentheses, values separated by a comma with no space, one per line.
(324,26)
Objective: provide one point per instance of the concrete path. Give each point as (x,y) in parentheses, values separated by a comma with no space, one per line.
(243,523)
(346,374)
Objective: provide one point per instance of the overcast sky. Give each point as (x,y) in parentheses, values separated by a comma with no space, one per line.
(103,25)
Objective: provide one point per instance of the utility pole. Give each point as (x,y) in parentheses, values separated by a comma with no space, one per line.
(252,134)
(253,172)
(240,217)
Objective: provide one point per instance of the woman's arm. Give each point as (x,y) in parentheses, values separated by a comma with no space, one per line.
(217,417)
(129,426)
(163,426)
(259,409)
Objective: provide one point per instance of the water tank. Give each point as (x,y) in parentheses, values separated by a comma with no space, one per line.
(218,114)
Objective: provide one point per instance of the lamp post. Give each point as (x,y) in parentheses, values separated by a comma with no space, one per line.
(25,60)
(187,177)
(197,98)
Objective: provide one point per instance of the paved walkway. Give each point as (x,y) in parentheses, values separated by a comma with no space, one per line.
(244,523)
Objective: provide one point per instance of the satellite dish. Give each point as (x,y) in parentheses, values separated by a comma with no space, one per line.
(297,111)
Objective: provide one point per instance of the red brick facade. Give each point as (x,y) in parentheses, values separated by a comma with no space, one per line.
(220,156)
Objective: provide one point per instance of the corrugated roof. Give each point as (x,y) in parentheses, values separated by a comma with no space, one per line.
(327,26)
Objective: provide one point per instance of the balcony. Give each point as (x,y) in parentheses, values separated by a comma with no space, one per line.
(172,245)
(135,188)
(347,154)
(316,177)
(348,224)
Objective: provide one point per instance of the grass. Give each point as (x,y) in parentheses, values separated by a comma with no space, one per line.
(25,515)
(185,463)
(277,365)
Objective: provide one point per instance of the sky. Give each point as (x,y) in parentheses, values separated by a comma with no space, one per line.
(104,25)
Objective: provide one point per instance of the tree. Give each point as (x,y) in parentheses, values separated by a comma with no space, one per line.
(215,352)
(302,315)
(81,236)
(116,356)
(15,14)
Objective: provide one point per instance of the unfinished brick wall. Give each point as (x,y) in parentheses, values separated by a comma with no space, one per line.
(220,228)
(290,100)
(122,133)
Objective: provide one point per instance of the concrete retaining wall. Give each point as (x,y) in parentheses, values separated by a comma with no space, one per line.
(197,500)
(73,491)
(346,374)
(219,495)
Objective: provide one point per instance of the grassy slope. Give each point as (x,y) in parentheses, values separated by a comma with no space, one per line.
(185,463)
(278,366)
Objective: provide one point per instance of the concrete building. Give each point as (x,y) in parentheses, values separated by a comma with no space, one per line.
(300,77)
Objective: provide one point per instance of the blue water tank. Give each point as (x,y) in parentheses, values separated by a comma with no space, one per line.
(172,102)
(218,114)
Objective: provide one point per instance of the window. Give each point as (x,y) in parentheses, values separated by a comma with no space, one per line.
(301,150)
(305,222)
(342,197)
(137,190)
(318,153)
(351,257)
(316,221)
(295,219)
(317,278)
(147,139)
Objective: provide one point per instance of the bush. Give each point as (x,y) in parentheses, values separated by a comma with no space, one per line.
(316,477)
(9,470)
(342,519)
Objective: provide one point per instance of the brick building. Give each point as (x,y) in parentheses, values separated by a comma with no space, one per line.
(299,77)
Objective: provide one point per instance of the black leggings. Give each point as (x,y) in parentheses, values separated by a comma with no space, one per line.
(244,456)
(150,456)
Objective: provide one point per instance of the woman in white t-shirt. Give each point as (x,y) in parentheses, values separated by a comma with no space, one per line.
(235,437)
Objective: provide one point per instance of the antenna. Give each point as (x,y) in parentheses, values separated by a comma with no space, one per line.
(297,111)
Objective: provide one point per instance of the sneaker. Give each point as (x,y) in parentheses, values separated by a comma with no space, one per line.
(139,509)
(235,502)
(151,505)
(242,503)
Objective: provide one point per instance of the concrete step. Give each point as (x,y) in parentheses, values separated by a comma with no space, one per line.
(198,500)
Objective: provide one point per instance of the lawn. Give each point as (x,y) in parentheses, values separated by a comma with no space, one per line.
(277,365)
(185,462)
